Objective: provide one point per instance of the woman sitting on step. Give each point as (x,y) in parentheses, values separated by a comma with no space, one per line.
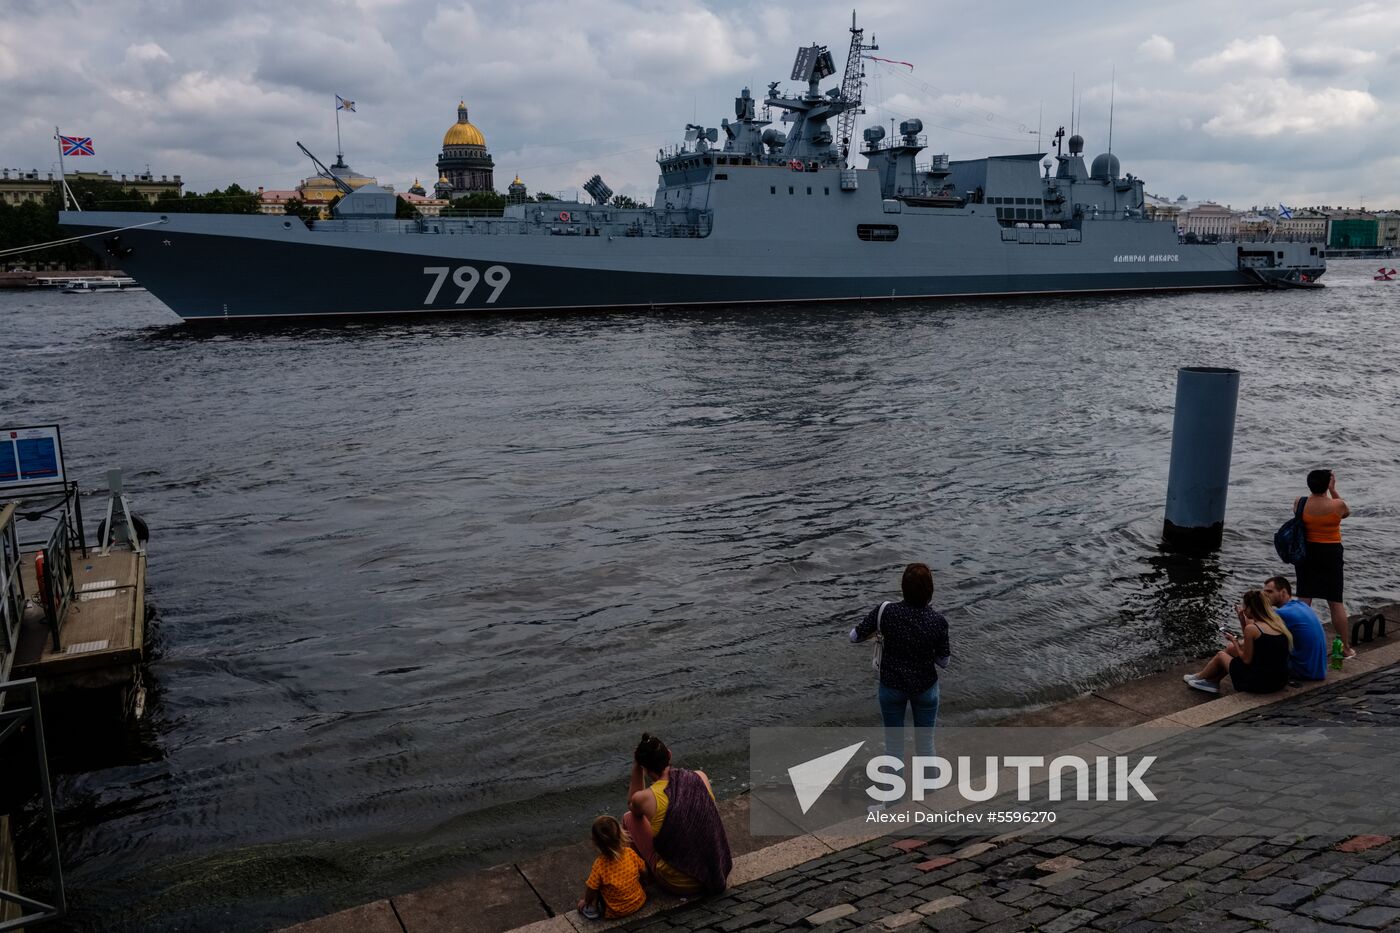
(674,823)
(1256,662)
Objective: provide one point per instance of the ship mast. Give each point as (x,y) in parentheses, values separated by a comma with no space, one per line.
(851,84)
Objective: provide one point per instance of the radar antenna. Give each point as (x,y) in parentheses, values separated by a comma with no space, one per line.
(324,172)
(851,85)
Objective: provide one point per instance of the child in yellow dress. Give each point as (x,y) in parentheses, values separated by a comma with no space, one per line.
(614,886)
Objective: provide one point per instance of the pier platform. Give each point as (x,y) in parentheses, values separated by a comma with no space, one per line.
(102,630)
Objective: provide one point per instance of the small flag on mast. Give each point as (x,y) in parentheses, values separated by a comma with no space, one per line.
(343,104)
(1284,213)
(889,61)
(76,145)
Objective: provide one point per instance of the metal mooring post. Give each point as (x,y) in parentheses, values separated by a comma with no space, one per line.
(1203,433)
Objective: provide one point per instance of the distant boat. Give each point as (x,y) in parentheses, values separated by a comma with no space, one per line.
(101,283)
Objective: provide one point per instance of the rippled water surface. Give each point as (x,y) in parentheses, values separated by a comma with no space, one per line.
(420,584)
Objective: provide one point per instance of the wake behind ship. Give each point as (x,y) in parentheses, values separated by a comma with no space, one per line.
(764,216)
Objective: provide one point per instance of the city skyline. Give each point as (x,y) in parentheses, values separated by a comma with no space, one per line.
(1213,103)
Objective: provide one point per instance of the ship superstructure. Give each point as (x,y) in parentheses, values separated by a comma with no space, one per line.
(744,213)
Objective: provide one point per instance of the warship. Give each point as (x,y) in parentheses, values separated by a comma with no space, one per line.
(744,214)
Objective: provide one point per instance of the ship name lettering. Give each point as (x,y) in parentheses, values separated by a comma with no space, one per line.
(1154,257)
(467,278)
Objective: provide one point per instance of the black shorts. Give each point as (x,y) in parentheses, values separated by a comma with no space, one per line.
(1320,573)
(1248,678)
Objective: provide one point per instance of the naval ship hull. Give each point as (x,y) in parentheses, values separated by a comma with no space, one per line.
(227,267)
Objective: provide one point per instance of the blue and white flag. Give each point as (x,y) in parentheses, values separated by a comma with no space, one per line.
(343,104)
(1284,213)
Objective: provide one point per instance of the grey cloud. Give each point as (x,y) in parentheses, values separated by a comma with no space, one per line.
(564,89)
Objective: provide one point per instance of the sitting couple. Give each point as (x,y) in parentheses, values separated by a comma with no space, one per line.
(674,832)
(1279,637)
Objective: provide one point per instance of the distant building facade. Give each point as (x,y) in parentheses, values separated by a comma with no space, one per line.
(1156,207)
(1208,219)
(316,191)
(1388,229)
(1305,224)
(428,207)
(18,186)
(1348,229)
(1256,225)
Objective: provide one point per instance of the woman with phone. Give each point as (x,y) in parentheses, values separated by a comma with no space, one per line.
(1256,661)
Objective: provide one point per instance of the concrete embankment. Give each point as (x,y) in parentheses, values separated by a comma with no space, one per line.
(28,279)
(540,893)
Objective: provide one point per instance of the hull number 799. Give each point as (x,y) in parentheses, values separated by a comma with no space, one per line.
(467,278)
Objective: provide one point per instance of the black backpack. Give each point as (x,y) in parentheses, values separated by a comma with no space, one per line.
(1291,539)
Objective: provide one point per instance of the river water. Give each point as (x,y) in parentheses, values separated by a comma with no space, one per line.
(421,584)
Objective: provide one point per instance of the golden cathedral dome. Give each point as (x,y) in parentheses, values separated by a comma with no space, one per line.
(462,133)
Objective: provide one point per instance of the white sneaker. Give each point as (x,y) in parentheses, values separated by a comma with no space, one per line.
(1200,683)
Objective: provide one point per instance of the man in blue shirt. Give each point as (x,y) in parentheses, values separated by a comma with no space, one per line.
(1308,660)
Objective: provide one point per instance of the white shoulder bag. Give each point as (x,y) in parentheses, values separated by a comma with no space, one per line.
(879,638)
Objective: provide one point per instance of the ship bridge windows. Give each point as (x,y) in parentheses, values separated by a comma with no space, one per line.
(878,233)
(1019,213)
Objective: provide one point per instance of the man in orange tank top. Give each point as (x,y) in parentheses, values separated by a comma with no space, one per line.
(1320,573)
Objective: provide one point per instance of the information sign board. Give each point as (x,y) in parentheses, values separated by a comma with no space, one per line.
(31,456)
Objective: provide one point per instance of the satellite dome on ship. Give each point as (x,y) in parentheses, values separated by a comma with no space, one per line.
(1105,166)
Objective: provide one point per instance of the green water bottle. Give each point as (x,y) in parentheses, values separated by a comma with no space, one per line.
(1336,663)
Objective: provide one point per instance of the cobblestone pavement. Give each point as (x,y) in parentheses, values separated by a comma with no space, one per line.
(1055,885)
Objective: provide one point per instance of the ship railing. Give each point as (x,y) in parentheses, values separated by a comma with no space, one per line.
(684,231)
(938,163)
(12,597)
(61,505)
(893,142)
(464,212)
(365,225)
(24,775)
(1190,237)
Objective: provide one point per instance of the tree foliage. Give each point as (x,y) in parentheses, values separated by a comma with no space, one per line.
(479,201)
(33,222)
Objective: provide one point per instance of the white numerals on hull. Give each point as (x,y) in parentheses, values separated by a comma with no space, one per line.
(467,278)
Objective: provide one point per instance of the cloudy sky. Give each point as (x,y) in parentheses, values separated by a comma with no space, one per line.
(1244,102)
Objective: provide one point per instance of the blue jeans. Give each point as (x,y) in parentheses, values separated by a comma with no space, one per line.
(892,703)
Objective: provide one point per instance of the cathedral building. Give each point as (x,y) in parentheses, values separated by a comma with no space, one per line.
(465,166)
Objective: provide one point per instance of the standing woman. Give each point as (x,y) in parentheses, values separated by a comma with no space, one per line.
(915,646)
(1320,573)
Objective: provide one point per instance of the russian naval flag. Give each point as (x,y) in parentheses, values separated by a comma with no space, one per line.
(76,145)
